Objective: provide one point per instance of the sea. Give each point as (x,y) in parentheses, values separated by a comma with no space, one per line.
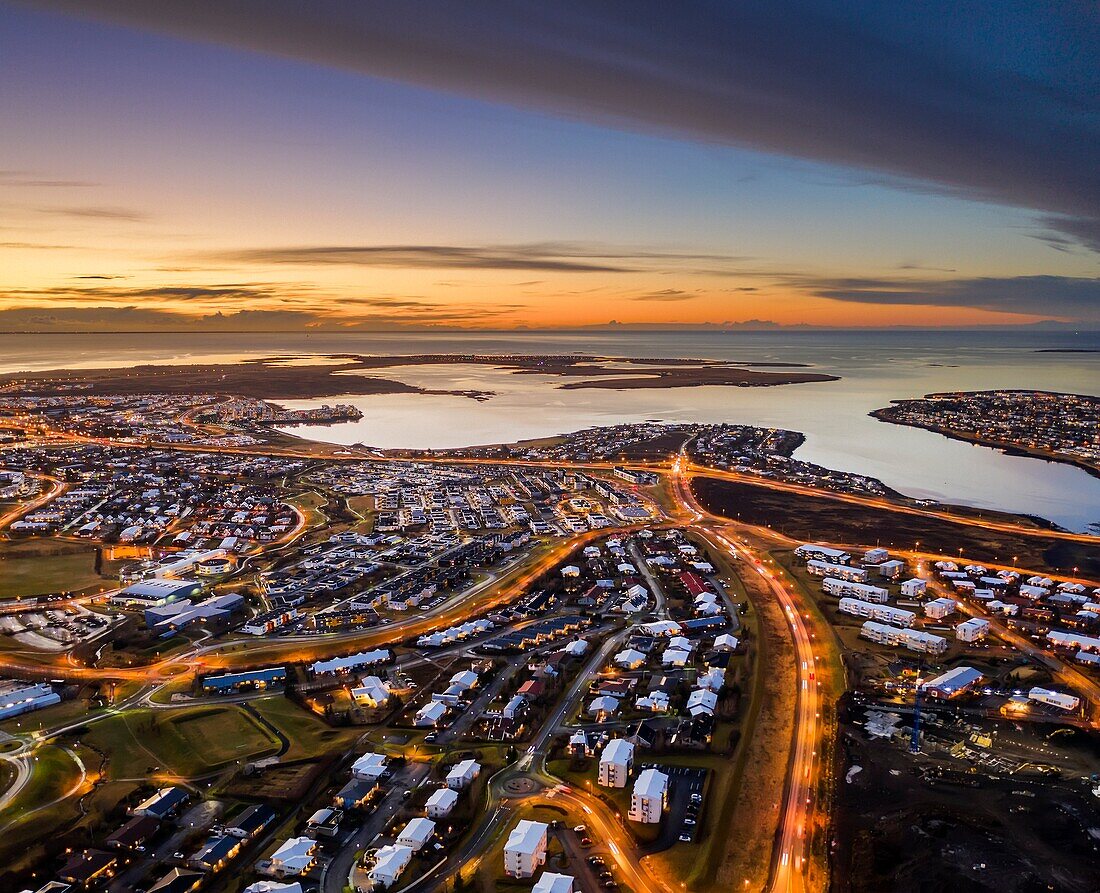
(874,367)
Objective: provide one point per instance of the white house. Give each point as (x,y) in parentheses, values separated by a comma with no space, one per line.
(616,762)
(462,774)
(655,702)
(273,887)
(369,766)
(605,705)
(372,692)
(913,588)
(416,833)
(525,849)
(430,714)
(726,642)
(514,707)
(647,800)
(466,679)
(674,657)
(294,857)
(576,648)
(549,882)
(441,803)
(702,701)
(712,680)
(629,659)
(389,862)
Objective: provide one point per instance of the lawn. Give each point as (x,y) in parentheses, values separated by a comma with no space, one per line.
(309,736)
(40,567)
(189,742)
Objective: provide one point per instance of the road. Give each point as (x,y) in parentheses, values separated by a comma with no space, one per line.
(798,810)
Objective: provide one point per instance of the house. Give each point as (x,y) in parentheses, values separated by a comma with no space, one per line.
(89,867)
(178,880)
(525,849)
(324,823)
(616,762)
(370,766)
(603,707)
(389,863)
(273,887)
(655,702)
(371,692)
(294,857)
(674,657)
(134,834)
(550,882)
(430,714)
(215,854)
(416,833)
(514,707)
(725,642)
(355,793)
(465,679)
(647,800)
(576,648)
(441,803)
(712,680)
(702,702)
(163,803)
(252,821)
(461,774)
(629,659)
(914,588)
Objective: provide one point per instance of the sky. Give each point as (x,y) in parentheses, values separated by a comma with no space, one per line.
(272,165)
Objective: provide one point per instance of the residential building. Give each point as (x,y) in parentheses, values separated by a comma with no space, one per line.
(525,849)
(647,800)
(616,761)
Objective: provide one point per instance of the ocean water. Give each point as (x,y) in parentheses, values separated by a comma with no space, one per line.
(874,368)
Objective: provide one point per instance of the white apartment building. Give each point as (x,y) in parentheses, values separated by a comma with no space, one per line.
(913,639)
(525,849)
(864,591)
(882,613)
(616,761)
(647,800)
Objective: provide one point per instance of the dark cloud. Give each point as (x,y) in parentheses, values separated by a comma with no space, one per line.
(667,294)
(996,101)
(97,213)
(557,257)
(228,292)
(1055,296)
(29,178)
(144,319)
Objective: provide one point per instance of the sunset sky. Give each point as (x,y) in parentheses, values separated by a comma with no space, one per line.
(279,165)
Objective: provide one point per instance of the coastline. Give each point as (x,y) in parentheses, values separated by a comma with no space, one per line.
(1011,449)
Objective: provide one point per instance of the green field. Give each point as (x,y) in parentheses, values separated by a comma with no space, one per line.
(40,567)
(189,742)
(309,736)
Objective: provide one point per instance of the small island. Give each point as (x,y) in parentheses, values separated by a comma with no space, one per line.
(332,375)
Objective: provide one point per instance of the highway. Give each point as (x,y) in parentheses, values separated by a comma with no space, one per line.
(791,854)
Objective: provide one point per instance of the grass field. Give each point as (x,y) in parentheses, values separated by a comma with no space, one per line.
(41,567)
(309,736)
(187,743)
